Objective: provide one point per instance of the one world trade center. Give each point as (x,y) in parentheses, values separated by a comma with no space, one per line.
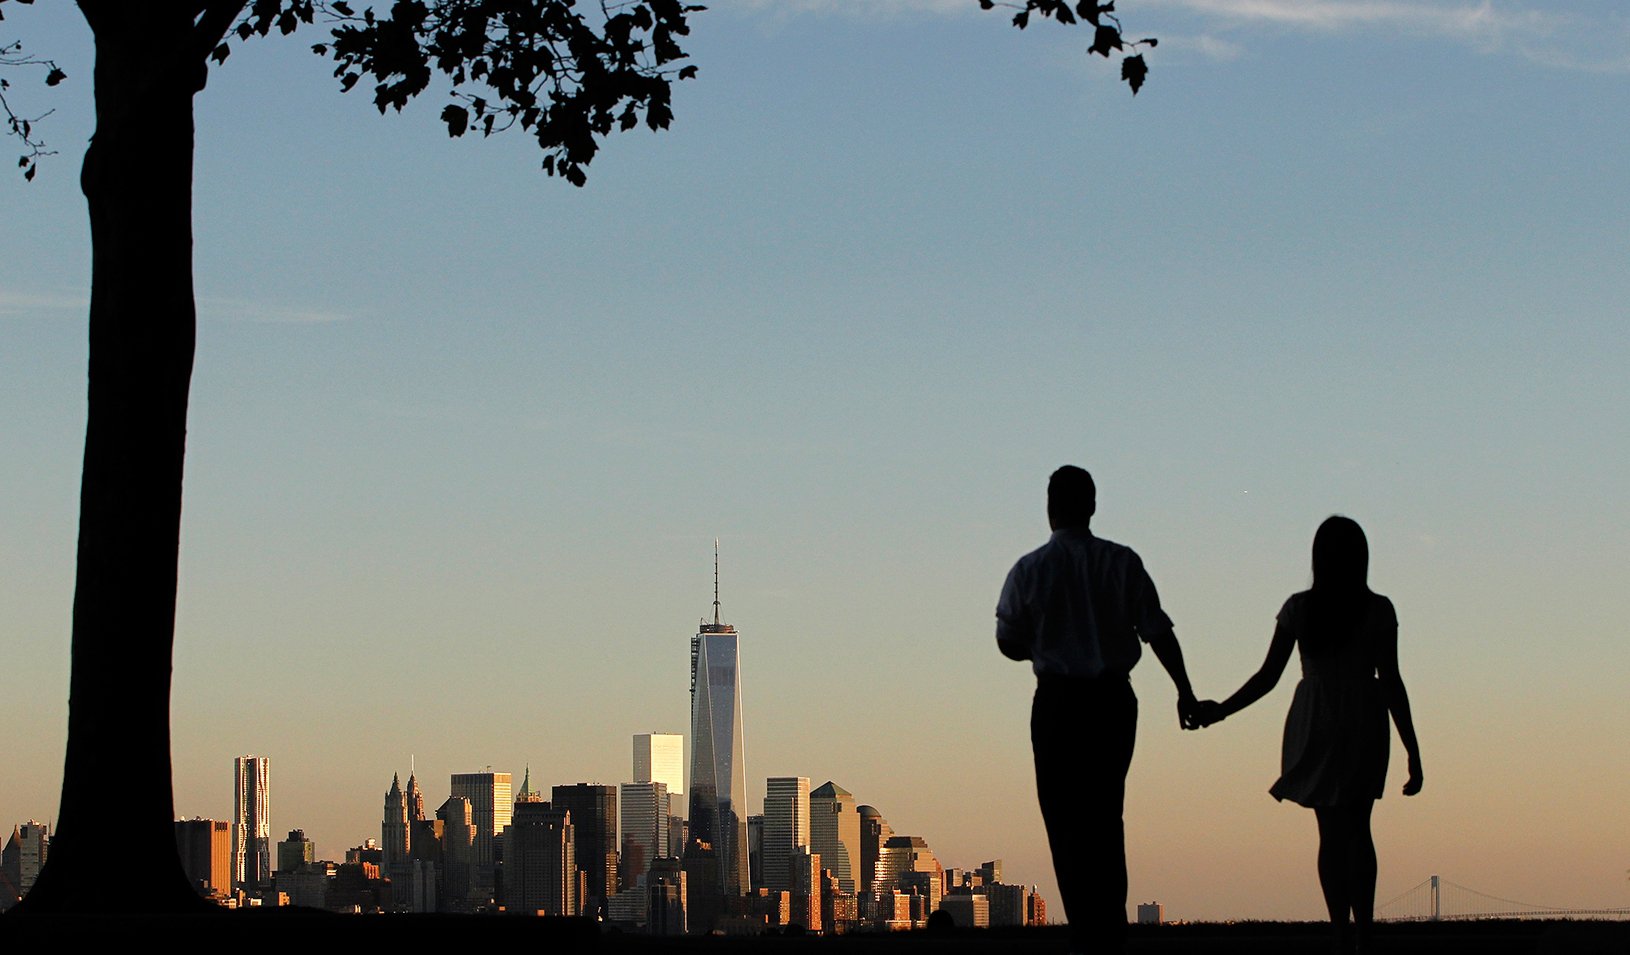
(718,770)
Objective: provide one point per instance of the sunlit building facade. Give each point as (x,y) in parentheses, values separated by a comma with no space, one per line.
(251,821)
(718,769)
(660,758)
(834,833)
(786,828)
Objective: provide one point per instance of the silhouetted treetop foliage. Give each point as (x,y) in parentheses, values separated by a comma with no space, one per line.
(565,76)
(12,58)
(1106,26)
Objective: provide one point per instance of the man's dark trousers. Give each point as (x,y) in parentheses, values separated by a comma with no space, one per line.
(1082,732)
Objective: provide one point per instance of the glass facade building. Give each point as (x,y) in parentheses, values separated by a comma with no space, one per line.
(718,768)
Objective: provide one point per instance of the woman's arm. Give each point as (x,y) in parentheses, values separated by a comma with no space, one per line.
(1396,698)
(1266,678)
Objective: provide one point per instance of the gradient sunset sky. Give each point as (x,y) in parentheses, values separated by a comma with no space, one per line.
(463,435)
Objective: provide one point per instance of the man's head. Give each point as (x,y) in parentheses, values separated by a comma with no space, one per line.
(1072,498)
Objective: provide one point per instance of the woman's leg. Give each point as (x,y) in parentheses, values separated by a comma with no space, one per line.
(1362,879)
(1335,867)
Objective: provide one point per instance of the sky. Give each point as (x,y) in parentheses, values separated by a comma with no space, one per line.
(462,435)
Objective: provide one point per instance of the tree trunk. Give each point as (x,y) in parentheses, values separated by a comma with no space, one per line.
(114,849)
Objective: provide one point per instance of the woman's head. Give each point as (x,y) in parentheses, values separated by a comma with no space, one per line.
(1341,556)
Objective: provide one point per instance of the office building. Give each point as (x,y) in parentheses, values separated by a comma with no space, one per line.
(395,835)
(834,833)
(1151,913)
(665,910)
(786,828)
(205,848)
(660,758)
(755,851)
(457,859)
(907,863)
(1009,904)
(804,868)
(295,851)
(540,868)
(251,821)
(594,820)
(645,821)
(718,776)
(21,861)
(415,800)
(491,804)
(874,832)
(967,909)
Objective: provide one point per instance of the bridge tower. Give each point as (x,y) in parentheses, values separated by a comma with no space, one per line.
(1437,900)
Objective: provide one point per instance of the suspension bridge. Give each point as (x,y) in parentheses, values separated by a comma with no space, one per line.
(1439,900)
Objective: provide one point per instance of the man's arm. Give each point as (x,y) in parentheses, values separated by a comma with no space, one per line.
(1014,633)
(1156,630)
(1170,655)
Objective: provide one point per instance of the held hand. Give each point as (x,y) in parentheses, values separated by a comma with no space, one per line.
(1186,705)
(1208,712)
(1416,778)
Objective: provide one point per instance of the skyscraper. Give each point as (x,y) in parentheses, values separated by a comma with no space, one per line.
(540,871)
(594,822)
(491,806)
(660,758)
(21,861)
(395,836)
(645,829)
(205,847)
(251,821)
(834,833)
(718,769)
(786,829)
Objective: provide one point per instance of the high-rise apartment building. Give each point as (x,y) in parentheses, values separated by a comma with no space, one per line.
(645,818)
(834,833)
(786,828)
(594,820)
(660,758)
(205,848)
(718,769)
(251,821)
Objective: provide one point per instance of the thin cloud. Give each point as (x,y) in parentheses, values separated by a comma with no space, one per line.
(238,310)
(1564,40)
(77,304)
(1568,39)
(34,304)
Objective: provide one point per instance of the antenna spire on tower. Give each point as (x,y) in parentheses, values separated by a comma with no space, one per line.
(715,581)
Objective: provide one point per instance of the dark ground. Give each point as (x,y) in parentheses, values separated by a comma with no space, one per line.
(254,931)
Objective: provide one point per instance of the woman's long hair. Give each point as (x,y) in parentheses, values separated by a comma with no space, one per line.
(1340,593)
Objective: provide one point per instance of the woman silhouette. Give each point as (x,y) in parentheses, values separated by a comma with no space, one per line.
(1334,759)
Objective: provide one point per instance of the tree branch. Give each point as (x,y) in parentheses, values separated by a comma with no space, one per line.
(211,21)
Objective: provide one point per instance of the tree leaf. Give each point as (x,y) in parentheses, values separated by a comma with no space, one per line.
(1133,71)
(1105,39)
(457,119)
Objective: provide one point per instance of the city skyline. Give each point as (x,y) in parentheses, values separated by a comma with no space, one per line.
(893,263)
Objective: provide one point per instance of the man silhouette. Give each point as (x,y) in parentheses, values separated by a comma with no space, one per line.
(1076,608)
